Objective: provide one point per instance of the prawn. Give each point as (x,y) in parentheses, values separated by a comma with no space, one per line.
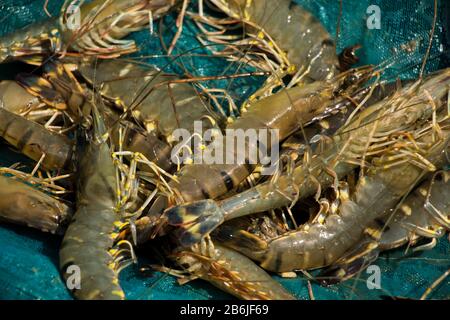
(91,241)
(99,30)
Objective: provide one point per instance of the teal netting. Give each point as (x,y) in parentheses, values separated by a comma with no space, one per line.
(29,259)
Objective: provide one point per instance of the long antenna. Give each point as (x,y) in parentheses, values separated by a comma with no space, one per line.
(430,44)
(338,26)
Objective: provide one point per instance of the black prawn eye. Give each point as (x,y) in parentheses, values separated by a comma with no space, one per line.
(352,79)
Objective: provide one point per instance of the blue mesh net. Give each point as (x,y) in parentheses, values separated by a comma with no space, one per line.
(29,259)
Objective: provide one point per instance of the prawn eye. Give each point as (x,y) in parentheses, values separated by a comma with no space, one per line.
(346,83)
(351,80)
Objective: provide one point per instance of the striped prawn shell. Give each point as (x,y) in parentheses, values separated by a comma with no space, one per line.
(34,140)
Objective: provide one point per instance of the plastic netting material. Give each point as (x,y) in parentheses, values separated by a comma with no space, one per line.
(29,259)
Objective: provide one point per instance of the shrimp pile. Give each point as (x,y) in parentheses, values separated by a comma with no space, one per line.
(119,159)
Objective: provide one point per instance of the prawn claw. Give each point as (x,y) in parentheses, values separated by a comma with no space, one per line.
(195,220)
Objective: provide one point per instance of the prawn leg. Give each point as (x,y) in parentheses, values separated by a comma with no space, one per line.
(267,43)
(100,31)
